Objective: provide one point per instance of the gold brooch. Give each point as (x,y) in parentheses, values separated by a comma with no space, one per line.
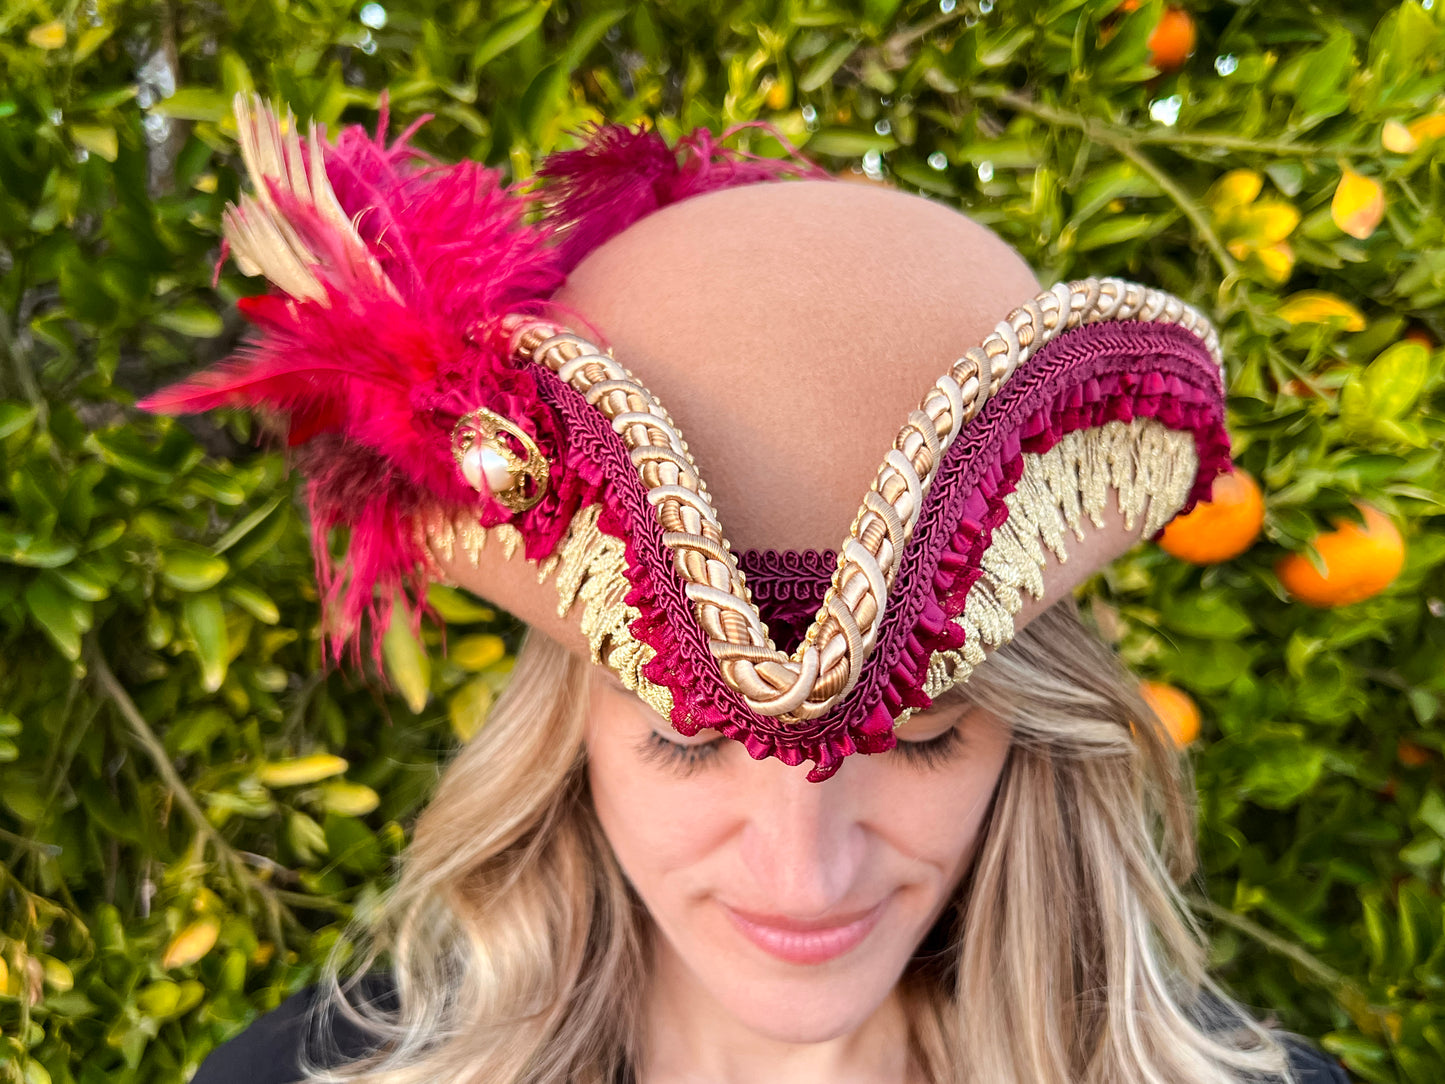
(495,456)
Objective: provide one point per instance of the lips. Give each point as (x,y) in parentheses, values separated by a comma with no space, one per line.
(806,941)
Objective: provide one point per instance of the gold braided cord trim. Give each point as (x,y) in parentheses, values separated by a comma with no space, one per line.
(588,567)
(810,681)
(1150,469)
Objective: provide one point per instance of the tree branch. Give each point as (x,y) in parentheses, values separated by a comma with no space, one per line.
(156,752)
(1345,990)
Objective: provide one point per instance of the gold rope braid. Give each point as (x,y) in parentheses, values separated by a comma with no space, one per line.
(827,664)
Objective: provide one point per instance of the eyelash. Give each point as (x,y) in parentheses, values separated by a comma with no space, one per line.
(689,758)
(934,751)
(684,758)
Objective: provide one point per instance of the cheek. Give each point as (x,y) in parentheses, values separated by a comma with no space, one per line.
(936,814)
(652,817)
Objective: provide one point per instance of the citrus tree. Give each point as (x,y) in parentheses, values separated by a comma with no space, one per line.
(192,805)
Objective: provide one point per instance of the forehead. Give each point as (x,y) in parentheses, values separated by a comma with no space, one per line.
(789,328)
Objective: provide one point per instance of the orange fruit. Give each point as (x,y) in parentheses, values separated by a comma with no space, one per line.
(1176,710)
(1172,40)
(1220,528)
(1360,562)
(1412,755)
(1421,336)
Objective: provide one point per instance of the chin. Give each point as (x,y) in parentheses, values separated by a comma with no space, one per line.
(809,1008)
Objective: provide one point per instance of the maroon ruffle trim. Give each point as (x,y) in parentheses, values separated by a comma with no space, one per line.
(1081,379)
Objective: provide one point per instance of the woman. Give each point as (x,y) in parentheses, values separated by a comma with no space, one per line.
(630,874)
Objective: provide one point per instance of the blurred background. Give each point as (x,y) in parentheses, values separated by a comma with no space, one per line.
(192,805)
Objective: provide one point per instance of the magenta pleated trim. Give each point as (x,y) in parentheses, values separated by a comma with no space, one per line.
(1079,380)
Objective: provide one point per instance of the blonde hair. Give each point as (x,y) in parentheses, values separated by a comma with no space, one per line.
(519,952)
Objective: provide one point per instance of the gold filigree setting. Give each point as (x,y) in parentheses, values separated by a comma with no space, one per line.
(488,462)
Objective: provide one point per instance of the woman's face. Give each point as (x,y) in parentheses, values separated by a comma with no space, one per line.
(796,905)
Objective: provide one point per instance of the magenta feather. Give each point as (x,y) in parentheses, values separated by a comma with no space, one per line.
(623,174)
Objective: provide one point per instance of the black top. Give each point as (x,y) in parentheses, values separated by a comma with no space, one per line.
(268,1052)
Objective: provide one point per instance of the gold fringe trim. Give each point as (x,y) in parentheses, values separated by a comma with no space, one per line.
(1149,467)
(588,567)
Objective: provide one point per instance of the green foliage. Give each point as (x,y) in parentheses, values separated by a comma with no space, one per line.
(188,811)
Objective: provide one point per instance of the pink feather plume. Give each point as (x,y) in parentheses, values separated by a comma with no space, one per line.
(370,375)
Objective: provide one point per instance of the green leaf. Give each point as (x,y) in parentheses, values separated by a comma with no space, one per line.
(249,523)
(125,450)
(468,708)
(826,64)
(1395,379)
(350,799)
(1320,85)
(14,417)
(352,845)
(191,318)
(477,652)
(1211,615)
(195,103)
(205,622)
(997,50)
(41,553)
(1280,771)
(300,771)
(407,663)
(1376,930)
(62,616)
(305,836)
(456,608)
(80,583)
(256,603)
(508,32)
(1119,228)
(588,34)
(925,178)
(1432,811)
(98,139)
(846,143)
(195,731)
(91,39)
(542,100)
(192,568)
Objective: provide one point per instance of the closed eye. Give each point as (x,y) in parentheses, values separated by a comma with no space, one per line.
(689,757)
(686,758)
(934,751)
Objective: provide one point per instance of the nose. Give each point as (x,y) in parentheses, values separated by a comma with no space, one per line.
(803,844)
